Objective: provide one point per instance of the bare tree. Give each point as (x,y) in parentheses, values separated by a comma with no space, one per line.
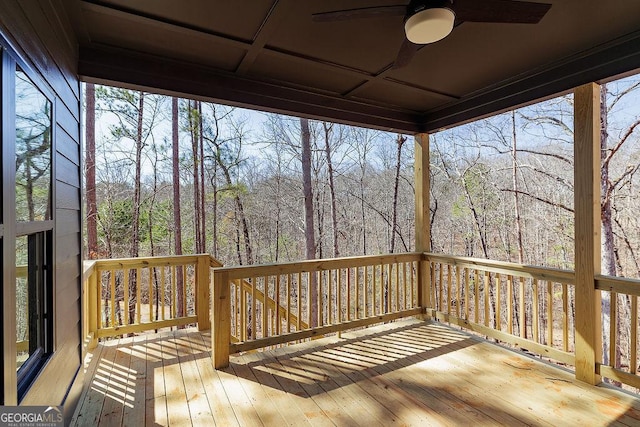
(328,128)
(177,221)
(90,172)
(310,247)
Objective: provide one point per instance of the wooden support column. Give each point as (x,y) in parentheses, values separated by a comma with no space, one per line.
(423,216)
(93,308)
(588,334)
(203,292)
(220,320)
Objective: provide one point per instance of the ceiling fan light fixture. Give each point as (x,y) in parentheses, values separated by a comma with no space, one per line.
(429,25)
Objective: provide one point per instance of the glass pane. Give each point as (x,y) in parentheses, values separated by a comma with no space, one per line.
(22,300)
(33,151)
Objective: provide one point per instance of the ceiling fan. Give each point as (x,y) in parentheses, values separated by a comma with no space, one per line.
(428,21)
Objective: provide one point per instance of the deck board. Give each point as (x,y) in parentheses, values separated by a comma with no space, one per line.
(398,374)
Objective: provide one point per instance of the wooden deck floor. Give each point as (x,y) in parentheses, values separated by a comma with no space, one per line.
(403,373)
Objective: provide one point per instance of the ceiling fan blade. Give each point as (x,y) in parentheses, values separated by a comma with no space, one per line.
(405,54)
(500,11)
(363,12)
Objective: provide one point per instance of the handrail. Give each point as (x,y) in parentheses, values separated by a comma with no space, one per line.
(621,285)
(306,266)
(521,270)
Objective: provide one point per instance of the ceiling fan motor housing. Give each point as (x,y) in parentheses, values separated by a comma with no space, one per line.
(428,21)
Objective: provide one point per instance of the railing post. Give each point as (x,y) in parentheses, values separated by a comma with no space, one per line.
(423,223)
(588,333)
(203,292)
(93,308)
(220,320)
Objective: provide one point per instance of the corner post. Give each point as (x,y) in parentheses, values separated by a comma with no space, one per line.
(93,308)
(203,292)
(588,322)
(423,216)
(220,320)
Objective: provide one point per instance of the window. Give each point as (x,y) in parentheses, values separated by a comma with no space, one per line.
(33,306)
(27,219)
(33,151)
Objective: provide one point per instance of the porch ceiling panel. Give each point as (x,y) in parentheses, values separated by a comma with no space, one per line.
(275,68)
(321,70)
(409,96)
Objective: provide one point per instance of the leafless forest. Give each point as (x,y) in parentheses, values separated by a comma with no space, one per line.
(501,188)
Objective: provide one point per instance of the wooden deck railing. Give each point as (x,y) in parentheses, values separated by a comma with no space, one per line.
(123,296)
(623,329)
(264,305)
(531,307)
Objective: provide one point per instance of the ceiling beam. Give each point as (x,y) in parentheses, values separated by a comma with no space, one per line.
(603,63)
(274,17)
(133,69)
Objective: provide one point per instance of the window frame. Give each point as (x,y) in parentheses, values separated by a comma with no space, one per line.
(15,384)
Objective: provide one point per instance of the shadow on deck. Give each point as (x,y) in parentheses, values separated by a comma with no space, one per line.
(402,373)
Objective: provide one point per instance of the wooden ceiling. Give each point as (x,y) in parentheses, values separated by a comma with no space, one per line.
(270,55)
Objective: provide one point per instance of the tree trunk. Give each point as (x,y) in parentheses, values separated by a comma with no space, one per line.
(516,210)
(150,223)
(608,244)
(177,222)
(396,185)
(90,172)
(332,188)
(214,209)
(197,209)
(310,247)
(203,224)
(135,217)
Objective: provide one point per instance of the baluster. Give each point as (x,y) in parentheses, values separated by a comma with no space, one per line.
(550,313)
(138,293)
(242,336)
(633,358)
(162,292)
(299,301)
(510,304)
(277,306)
(498,284)
(476,295)
(348,272)
(458,291)
(613,339)
(289,303)
(112,282)
(150,285)
(466,294)
(125,296)
(339,295)
(174,279)
(535,319)
(487,284)
(254,307)
(522,313)
(449,281)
